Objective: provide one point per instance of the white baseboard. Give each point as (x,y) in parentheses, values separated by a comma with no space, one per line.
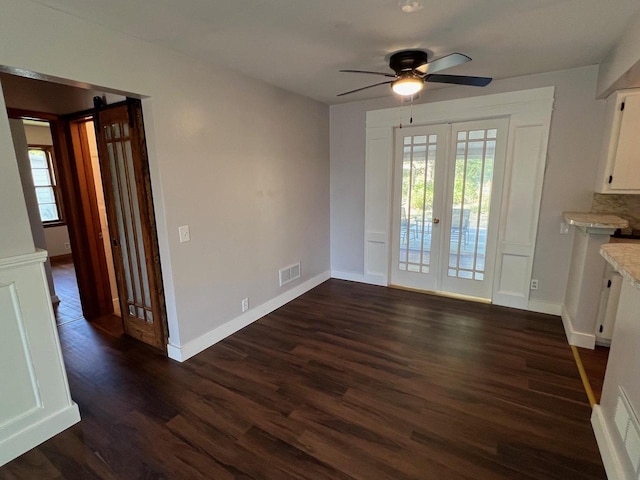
(579,339)
(610,459)
(545,307)
(37,433)
(189,349)
(351,276)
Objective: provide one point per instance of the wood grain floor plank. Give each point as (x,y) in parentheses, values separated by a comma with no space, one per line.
(348,381)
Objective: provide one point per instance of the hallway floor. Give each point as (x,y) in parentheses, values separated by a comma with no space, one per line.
(66,285)
(70,309)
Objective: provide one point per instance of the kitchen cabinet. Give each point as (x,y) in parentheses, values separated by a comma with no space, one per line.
(618,170)
(608,306)
(584,285)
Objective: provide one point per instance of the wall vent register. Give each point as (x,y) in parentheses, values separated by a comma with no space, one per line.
(289,274)
(629,429)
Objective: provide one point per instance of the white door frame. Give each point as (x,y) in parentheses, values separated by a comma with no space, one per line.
(529,113)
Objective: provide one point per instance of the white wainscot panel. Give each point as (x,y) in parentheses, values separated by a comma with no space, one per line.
(513,276)
(35,403)
(525,184)
(376,256)
(377,184)
(20,390)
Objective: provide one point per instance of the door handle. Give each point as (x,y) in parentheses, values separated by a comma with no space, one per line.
(114,242)
(436,220)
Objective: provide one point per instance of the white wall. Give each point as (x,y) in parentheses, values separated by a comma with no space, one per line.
(621,67)
(569,179)
(20,145)
(244,164)
(56,239)
(16,237)
(38,135)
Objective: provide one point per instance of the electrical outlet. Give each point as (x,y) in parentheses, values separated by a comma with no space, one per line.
(564,228)
(185,235)
(534,284)
(67,246)
(245,304)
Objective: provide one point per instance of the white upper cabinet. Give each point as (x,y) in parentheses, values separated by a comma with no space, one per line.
(619,163)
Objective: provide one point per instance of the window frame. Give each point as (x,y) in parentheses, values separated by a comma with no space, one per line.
(51,166)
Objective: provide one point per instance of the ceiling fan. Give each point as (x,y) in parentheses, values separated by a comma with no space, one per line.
(412,69)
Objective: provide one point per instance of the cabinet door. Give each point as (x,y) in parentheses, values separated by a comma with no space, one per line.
(626,168)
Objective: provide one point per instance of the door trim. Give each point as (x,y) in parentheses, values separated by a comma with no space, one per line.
(529,113)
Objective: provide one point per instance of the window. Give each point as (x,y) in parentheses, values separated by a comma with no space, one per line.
(44,181)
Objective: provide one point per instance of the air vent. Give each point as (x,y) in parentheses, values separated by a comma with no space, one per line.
(629,429)
(290,273)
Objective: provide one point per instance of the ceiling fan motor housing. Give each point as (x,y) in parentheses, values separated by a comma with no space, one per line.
(407,60)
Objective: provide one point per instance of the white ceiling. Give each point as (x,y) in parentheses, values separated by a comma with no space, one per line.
(300,45)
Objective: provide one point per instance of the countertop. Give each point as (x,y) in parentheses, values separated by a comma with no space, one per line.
(625,259)
(594,220)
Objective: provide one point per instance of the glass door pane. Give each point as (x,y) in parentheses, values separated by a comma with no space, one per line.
(473,177)
(416,210)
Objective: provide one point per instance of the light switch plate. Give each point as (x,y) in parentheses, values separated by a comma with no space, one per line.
(564,228)
(185,235)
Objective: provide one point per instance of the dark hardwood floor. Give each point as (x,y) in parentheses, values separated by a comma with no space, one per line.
(66,286)
(349,381)
(70,308)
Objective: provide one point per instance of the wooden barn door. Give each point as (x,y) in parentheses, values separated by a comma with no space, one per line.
(125,171)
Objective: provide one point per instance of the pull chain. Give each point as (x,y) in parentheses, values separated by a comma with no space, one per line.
(411,111)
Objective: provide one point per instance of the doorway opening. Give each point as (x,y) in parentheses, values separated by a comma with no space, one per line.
(109,273)
(45,171)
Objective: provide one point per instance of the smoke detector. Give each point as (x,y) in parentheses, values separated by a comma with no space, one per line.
(410,6)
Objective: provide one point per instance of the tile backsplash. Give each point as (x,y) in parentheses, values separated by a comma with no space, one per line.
(625,206)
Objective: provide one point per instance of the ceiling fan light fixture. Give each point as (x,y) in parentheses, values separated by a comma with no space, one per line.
(409,85)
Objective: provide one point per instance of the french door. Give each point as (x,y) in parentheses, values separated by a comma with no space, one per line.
(447,192)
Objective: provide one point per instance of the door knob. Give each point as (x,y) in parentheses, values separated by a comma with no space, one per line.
(436,220)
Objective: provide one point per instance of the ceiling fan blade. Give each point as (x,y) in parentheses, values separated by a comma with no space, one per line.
(370,73)
(363,88)
(459,80)
(442,63)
